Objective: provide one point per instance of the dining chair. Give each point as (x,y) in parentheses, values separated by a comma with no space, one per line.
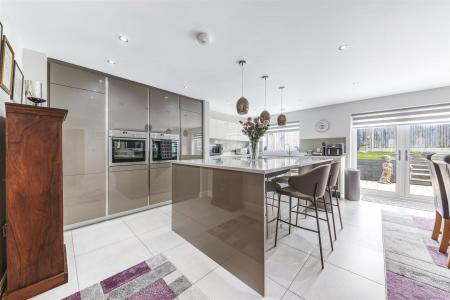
(440,202)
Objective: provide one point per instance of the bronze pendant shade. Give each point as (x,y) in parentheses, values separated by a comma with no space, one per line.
(281,120)
(242,104)
(265,115)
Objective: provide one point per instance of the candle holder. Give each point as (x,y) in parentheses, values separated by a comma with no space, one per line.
(33,91)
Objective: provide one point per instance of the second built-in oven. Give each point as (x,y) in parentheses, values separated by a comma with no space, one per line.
(127,147)
(164,147)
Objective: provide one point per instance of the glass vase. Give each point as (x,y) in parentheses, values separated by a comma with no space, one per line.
(254,149)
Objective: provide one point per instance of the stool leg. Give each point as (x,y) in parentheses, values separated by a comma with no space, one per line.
(437,226)
(318,231)
(339,209)
(298,206)
(267,217)
(290,205)
(278,218)
(445,236)
(332,212)
(328,222)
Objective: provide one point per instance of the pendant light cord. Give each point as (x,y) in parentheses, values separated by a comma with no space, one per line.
(281,88)
(242,82)
(265,92)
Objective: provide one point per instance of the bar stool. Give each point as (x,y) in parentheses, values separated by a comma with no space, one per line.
(271,186)
(440,204)
(311,187)
(332,188)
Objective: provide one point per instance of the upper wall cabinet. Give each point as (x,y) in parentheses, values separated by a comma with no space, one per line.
(164,112)
(128,105)
(191,114)
(77,78)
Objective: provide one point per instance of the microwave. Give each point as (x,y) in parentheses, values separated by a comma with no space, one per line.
(165,147)
(127,147)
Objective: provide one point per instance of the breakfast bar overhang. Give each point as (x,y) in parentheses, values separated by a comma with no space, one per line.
(219,207)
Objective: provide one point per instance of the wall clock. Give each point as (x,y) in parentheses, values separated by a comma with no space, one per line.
(322,125)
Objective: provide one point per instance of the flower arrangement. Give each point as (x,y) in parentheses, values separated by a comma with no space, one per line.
(254,128)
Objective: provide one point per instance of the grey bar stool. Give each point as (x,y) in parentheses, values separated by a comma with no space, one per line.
(332,189)
(311,187)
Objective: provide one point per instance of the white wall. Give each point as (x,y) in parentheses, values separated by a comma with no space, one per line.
(339,114)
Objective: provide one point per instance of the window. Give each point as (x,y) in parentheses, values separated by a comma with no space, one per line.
(282,138)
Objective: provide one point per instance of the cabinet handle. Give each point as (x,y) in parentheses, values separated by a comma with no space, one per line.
(399,155)
(406,155)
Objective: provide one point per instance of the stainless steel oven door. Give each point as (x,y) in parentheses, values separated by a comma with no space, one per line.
(127,151)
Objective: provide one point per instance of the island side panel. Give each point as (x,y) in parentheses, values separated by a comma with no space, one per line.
(221,213)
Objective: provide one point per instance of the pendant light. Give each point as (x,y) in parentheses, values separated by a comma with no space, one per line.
(242,104)
(281,120)
(265,115)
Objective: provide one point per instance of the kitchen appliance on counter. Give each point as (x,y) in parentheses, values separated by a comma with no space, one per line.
(215,149)
(334,149)
(165,147)
(127,147)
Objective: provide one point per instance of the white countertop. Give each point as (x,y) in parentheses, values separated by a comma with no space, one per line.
(261,166)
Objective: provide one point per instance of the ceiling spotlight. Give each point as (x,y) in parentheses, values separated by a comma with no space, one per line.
(343,47)
(186,87)
(123,38)
(111,61)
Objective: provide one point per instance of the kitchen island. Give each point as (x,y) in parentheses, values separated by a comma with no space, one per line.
(218,205)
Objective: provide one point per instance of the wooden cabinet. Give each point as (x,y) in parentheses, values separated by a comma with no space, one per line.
(35,253)
(160,182)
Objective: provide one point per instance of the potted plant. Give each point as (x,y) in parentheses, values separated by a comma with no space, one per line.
(254,128)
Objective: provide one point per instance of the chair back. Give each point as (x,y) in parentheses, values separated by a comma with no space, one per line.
(334,174)
(439,195)
(312,183)
(443,174)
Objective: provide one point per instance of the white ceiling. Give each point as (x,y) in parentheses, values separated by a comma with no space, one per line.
(396,45)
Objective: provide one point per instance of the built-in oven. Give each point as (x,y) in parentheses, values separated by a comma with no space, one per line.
(164,147)
(127,147)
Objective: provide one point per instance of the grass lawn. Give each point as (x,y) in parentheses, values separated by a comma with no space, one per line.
(376,155)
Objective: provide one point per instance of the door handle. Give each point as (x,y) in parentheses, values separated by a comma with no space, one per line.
(399,155)
(406,155)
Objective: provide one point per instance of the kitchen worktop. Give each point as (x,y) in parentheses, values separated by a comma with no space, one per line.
(260,166)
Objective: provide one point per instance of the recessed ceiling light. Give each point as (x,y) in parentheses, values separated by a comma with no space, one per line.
(186,87)
(111,61)
(343,47)
(123,38)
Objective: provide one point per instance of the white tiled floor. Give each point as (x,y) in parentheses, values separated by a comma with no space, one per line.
(354,270)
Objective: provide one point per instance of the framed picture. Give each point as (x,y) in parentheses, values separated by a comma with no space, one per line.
(6,66)
(17,91)
(1,33)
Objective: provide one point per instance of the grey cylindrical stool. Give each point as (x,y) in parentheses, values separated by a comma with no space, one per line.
(352,190)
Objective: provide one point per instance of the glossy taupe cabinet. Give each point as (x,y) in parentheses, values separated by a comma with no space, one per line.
(164,112)
(127,105)
(128,188)
(160,182)
(84,141)
(191,121)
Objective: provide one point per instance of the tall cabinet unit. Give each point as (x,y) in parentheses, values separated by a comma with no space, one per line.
(35,253)
(84,140)
(191,122)
(128,110)
(164,118)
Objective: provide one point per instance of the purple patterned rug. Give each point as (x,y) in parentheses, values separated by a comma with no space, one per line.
(415,269)
(155,278)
